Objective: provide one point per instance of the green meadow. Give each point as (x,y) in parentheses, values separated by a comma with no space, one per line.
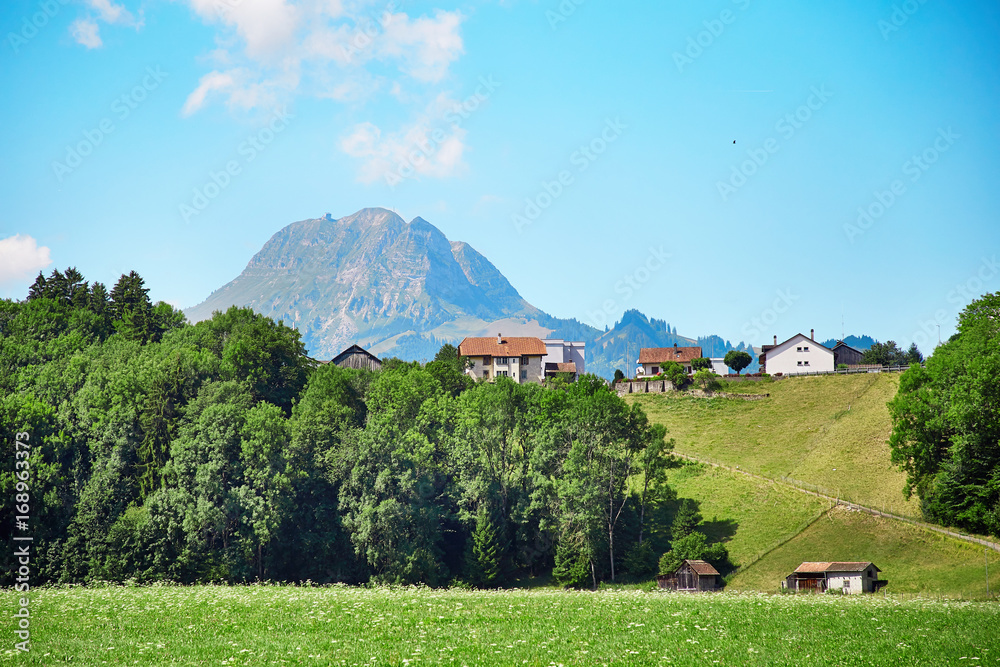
(830,431)
(265,625)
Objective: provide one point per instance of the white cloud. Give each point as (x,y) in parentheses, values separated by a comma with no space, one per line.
(329,48)
(215,80)
(427,147)
(87,32)
(426,47)
(21,258)
(112,13)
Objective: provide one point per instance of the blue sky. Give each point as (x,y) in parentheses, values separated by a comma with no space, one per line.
(586,148)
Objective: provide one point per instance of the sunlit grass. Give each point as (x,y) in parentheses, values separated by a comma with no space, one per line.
(830,431)
(260,625)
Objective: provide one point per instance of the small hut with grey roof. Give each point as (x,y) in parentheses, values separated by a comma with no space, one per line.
(693,576)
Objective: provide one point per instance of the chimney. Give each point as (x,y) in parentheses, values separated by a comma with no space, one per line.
(812,334)
(499,340)
(776,339)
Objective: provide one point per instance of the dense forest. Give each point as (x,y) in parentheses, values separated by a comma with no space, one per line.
(161,450)
(946,424)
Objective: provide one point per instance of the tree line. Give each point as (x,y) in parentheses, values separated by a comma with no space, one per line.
(220,451)
(946,424)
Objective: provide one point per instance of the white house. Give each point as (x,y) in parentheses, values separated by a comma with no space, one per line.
(799,354)
(564,356)
(719,366)
(849,577)
(518,358)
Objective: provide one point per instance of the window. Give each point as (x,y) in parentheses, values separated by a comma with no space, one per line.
(524,360)
(800,363)
(805,363)
(501,373)
(805,349)
(524,375)
(656,370)
(487,360)
(798,349)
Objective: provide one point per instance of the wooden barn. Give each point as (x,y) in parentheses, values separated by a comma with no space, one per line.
(357,357)
(845,354)
(849,577)
(693,576)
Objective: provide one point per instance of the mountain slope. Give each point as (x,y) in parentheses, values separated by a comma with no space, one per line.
(403,289)
(367,278)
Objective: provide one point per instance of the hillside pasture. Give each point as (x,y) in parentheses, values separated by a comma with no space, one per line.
(913,560)
(830,431)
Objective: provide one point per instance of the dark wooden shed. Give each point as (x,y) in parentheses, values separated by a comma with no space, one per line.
(693,576)
(845,354)
(357,357)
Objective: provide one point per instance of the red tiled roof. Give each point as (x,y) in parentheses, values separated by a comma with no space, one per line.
(702,567)
(510,347)
(659,355)
(836,566)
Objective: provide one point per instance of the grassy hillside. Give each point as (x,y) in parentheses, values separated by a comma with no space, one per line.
(829,431)
(750,515)
(912,560)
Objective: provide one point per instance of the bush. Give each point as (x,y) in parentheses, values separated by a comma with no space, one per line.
(640,560)
(707,380)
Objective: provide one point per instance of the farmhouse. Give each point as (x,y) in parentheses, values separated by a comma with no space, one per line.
(519,358)
(652,359)
(849,577)
(693,576)
(357,357)
(799,354)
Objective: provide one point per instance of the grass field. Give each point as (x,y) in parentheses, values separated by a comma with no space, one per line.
(258,625)
(830,431)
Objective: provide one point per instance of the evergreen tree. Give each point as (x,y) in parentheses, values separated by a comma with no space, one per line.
(483,562)
(573,566)
(686,521)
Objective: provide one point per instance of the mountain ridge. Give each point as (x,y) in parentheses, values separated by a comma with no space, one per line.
(403,288)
